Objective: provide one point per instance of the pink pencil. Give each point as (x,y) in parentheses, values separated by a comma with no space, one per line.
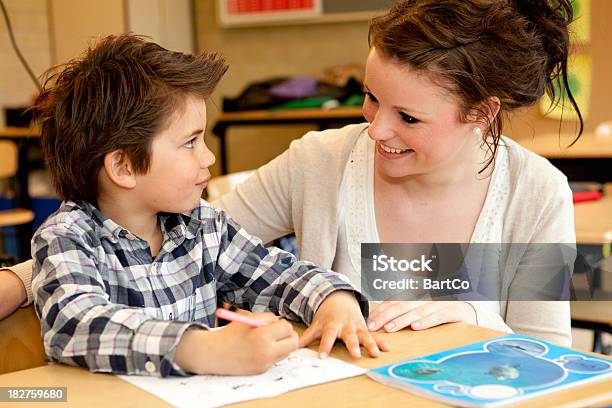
(236,317)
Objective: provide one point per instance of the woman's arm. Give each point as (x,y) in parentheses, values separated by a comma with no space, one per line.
(262,204)
(12,292)
(548,320)
(15,287)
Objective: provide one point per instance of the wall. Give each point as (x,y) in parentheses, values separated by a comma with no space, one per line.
(264,52)
(256,53)
(29,21)
(169,23)
(530,122)
(75,23)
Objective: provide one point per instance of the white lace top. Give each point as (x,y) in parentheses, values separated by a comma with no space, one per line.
(357,215)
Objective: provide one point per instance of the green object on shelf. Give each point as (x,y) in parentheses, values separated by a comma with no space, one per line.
(354,100)
(314,102)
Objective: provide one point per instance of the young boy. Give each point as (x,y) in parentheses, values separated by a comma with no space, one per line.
(128,272)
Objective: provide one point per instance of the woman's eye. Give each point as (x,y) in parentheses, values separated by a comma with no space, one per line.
(408,119)
(371,96)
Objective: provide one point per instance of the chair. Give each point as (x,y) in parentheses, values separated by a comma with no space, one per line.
(8,169)
(220,185)
(217,186)
(21,344)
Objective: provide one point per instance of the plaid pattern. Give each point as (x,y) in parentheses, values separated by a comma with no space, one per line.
(106,304)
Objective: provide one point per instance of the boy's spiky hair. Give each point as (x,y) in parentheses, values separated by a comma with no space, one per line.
(116,96)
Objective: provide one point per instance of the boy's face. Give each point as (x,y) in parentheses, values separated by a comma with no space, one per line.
(179,162)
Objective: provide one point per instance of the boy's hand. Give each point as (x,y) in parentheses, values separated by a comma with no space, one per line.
(237,349)
(339,316)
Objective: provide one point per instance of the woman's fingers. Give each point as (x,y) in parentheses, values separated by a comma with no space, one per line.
(452,312)
(428,315)
(390,312)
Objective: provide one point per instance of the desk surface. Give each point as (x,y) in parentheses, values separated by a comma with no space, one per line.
(593,219)
(88,389)
(553,146)
(595,311)
(18,133)
(289,114)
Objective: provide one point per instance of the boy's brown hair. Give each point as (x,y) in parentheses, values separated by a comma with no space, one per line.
(116,96)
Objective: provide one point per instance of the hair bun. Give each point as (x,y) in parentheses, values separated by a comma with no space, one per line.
(550,19)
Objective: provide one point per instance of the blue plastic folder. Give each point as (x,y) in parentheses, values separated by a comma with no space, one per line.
(495,372)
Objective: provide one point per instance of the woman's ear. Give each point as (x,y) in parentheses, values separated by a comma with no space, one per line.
(119,169)
(486,111)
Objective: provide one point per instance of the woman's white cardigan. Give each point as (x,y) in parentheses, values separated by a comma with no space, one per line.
(299,190)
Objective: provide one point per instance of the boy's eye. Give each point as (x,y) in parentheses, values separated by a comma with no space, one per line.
(190,143)
(408,119)
(371,96)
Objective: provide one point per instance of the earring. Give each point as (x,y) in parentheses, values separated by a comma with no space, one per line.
(478,131)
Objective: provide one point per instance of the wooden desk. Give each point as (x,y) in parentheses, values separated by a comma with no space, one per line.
(321,118)
(589,159)
(593,223)
(93,390)
(554,146)
(593,219)
(595,316)
(23,138)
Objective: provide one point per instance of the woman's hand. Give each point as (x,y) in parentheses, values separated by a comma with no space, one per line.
(419,315)
(339,316)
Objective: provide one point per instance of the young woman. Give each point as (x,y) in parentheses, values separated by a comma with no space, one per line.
(430,165)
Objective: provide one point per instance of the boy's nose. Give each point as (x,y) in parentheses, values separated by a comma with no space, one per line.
(207,158)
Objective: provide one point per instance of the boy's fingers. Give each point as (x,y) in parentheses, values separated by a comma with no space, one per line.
(369,343)
(351,340)
(286,346)
(278,330)
(382,345)
(266,317)
(308,336)
(328,337)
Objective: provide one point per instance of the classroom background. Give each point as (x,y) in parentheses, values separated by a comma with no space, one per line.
(331,43)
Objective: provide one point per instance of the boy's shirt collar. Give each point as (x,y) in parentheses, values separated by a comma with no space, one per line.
(175,227)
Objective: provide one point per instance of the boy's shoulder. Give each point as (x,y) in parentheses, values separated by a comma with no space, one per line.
(70,215)
(76,219)
(85,220)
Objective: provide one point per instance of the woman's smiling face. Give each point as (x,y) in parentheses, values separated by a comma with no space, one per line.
(415,122)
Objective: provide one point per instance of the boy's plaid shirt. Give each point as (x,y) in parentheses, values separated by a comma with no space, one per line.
(107,305)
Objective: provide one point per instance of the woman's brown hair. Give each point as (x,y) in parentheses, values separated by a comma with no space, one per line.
(514,50)
(116,96)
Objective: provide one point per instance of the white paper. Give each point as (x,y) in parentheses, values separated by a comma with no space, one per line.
(302,368)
